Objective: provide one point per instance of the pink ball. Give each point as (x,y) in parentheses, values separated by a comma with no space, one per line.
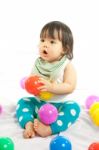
(48,114)
(90,100)
(22,82)
(0,109)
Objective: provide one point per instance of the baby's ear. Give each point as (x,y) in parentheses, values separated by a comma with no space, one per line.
(63,53)
(67,50)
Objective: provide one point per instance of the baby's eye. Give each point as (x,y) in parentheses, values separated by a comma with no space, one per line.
(42,40)
(52,42)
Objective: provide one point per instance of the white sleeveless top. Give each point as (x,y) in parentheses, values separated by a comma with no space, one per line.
(59,79)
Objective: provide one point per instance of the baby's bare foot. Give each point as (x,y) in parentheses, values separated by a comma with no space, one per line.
(42,129)
(29,130)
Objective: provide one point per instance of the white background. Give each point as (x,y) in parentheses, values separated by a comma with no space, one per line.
(20,25)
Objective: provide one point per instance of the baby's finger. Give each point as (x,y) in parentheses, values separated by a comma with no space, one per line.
(41,80)
(41,87)
(43,90)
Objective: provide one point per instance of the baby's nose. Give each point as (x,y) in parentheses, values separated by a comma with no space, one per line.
(45,45)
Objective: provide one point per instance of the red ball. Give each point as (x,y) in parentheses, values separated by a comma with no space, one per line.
(94,146)
(32,85)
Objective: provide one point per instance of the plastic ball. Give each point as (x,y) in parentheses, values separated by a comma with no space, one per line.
(0,109)
(94,107)
(6,143)
(94,146)
(94,113)
(60,143)
(47,114)
(22,82)
(32,85)
(90,100)
(45,95)
(95,117)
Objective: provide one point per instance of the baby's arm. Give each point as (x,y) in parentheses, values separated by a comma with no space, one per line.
(68,85)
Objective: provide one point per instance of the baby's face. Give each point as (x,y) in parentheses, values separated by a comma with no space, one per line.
(50,49)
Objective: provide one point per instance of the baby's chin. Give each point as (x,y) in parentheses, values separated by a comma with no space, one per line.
(47,59)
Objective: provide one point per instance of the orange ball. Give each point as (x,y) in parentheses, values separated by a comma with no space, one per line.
(32,85)
(94,146)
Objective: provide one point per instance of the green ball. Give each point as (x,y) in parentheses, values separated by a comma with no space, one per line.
(6,143)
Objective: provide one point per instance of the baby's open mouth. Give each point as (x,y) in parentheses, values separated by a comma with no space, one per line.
(45,52)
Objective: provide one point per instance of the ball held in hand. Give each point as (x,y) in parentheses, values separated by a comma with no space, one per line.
(44,95)
(32,84)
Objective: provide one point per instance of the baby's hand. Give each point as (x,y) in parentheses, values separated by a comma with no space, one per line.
(47,85)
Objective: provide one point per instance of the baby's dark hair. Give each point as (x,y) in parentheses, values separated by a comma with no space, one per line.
(64,35)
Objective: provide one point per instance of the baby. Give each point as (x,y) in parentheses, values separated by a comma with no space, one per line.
(57,76)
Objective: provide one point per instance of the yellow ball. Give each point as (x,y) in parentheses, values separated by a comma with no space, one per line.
(45,95)
(95,117)
(94,107)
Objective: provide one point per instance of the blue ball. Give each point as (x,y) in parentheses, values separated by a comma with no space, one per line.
(60,143)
